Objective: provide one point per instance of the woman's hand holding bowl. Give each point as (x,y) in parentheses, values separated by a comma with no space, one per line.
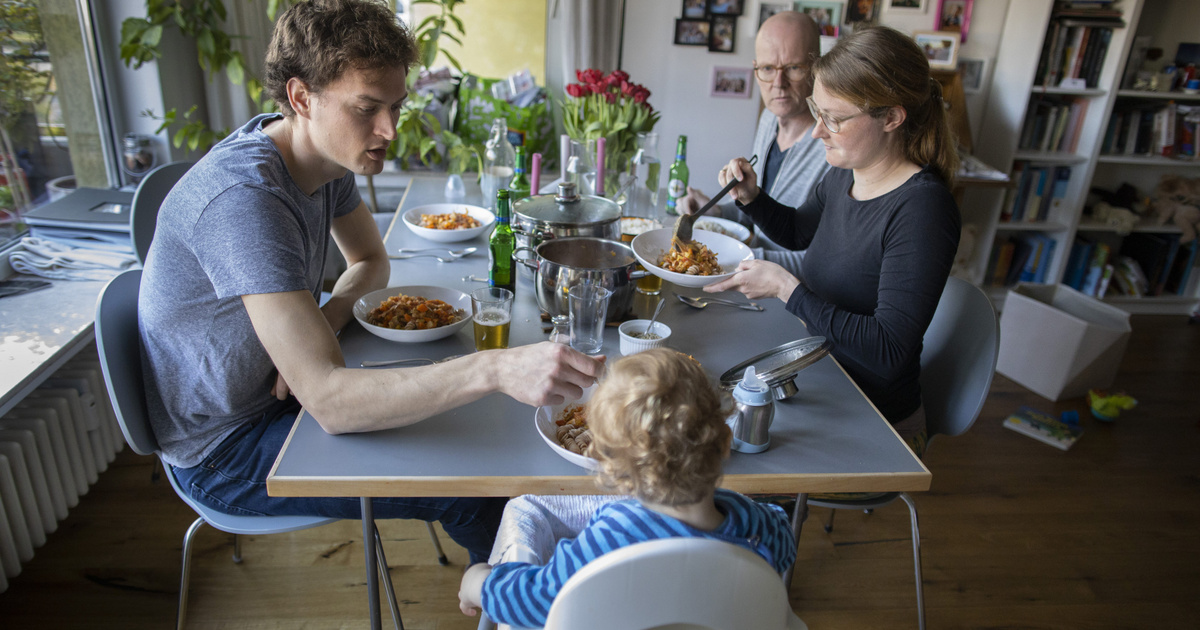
(758,279)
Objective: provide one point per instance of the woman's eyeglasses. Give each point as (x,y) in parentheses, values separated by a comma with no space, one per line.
(794,72)
(834,125)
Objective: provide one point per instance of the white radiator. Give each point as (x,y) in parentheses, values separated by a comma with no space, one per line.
(53,445)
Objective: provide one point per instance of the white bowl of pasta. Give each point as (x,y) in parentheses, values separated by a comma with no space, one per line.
(381,318)
(446,223)
(546,421)
(651,247)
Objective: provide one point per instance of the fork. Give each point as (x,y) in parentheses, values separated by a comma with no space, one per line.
(446,259)
(466,251)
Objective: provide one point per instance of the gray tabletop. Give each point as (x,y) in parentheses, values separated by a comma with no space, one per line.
(827,437)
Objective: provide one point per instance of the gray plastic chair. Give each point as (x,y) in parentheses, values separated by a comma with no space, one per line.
(120,360)
(958,361)
(143,213)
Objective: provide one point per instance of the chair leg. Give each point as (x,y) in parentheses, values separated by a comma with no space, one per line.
(237,549)
(916,537)
(799,515)
(437,544)
(387,582)
(186,573)
(829,523)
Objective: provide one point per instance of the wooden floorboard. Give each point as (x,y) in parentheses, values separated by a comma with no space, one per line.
(1014,534)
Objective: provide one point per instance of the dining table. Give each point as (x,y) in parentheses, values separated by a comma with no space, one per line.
(827,437)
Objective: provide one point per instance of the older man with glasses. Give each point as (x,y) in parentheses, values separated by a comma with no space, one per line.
(793,161)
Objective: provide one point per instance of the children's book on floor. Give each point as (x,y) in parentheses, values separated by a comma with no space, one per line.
(1043,427)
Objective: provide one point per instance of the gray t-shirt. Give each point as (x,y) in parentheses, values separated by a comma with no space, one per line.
(236,224)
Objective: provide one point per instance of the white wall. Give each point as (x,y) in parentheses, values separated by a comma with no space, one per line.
(719,129)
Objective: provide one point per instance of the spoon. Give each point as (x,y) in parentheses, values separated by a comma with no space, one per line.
(701,302)
(650,327)
(466,251)
(440,258)
(683,225)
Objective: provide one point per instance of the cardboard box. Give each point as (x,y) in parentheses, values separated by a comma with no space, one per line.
(1059,342)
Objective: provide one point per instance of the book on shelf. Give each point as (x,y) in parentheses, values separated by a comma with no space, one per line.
(1094,274)
(1181,269)
(1077,263)
(1149,252)
(1002,254)
(1058,193)
(1038,190)
(1105,280)
(1128,277)
(1160,286)
(1042,427)
(1020,256)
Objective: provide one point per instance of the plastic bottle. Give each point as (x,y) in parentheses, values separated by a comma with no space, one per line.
(753,413)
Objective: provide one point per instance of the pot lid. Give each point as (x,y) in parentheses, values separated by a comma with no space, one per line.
(567,208)
(780,364)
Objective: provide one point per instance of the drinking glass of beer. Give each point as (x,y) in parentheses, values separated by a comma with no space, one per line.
(491,308)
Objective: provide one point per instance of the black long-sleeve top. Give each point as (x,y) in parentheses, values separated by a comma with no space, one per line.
(872,277)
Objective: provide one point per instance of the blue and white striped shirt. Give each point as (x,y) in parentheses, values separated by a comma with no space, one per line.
(520,594)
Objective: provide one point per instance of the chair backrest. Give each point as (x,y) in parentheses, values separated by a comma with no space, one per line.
(959,358)
(120,352)
(143,214)
(674,583)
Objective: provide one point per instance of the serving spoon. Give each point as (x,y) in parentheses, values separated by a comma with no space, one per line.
(466,251)
(683,225)
(701,302)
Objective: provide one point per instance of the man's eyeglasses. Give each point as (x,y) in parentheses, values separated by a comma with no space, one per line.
(834,125)
(793,72)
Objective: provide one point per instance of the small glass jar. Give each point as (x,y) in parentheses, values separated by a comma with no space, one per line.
(562,329)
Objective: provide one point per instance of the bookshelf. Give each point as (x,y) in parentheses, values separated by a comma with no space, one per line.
(1041,129)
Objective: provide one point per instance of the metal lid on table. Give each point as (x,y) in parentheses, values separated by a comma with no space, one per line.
(778,367)
(568,208)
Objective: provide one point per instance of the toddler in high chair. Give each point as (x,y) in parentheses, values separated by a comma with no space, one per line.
(659,435)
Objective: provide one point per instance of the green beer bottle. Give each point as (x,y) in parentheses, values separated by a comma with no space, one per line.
(518,188)
(677,181)
(500,247)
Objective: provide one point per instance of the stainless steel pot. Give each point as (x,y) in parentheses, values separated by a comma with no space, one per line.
(542,217)
(560,263)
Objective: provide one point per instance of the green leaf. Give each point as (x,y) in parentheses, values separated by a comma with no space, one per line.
(179,137)
(153,35)
(452,60)
(194,142)
(234,70)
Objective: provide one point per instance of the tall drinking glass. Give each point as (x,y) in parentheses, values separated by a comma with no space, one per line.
(492,317)
(587,305)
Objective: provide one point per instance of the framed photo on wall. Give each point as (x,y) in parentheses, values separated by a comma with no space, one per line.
(974,74)
(691,32)
(695,9)
(940,47)
(728,82)
(954,16)
(860,11)
(767,9)
(826,13)
(907,6)
(725,7)
(722,33)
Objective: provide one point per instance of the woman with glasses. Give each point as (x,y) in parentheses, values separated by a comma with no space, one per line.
(793,161)
(881,228)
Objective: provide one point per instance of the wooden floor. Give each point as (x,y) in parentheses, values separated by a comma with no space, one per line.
(1015,534)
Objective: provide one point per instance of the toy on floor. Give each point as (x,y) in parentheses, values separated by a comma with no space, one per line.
(1106,406)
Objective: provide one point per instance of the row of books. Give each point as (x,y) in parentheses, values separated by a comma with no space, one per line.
(1145,265)
(1025,258)
(1160,130)
(1074,49)
(1053,125)
(1038,191)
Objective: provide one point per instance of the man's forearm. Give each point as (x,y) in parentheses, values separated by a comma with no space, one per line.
(358,280)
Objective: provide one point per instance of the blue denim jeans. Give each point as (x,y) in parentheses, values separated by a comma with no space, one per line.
(233,479)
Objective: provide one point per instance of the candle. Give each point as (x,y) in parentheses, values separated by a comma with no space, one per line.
(535,175)
(564,153)
(600,142)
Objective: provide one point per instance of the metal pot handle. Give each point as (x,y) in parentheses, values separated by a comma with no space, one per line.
(638,274)
(538,237)
(530,262)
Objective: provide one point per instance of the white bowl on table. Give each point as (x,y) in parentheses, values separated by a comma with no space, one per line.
(649,246)
(412,218)
(369,302)
(631,344)
(724,226)
(543,420)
